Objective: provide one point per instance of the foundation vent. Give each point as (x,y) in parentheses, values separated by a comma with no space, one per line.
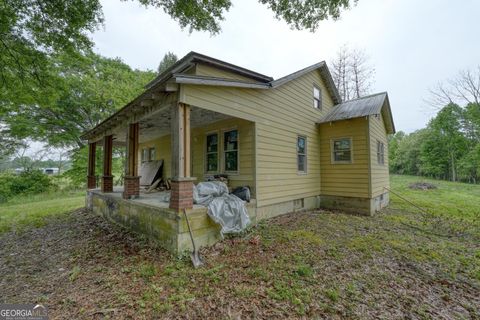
(298,204)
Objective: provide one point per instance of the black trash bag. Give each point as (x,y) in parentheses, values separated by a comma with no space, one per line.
(242,192)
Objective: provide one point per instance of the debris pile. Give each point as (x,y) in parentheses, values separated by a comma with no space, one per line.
(422,186)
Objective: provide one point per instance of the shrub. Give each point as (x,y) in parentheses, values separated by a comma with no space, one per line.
(32,182)
(28,182)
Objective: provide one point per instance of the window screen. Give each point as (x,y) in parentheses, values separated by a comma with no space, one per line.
(230,149)
(342,150)
(212,152)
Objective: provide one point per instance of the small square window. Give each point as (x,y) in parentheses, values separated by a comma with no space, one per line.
(342,150)
(301,154)
(317,98)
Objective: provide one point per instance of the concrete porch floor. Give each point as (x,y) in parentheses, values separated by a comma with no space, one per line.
(151,199)
(149,216)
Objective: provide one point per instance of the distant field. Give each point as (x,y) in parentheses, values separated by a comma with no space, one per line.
(22,212)
(460,200)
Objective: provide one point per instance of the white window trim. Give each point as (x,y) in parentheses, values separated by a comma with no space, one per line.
(382,153)
(332,156)
(305,154)
(320,107)
(218,152)
(236,172)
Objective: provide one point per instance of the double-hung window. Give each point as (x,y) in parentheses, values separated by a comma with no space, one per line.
(152,152)
(380,152)
(342,150)
(230,150)
(301,154)
(144,154)
(317,98)
(212,152)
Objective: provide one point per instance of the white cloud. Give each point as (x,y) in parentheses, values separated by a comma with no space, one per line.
(413,44)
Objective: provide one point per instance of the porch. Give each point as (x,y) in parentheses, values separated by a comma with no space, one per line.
(149,216)
(194,144)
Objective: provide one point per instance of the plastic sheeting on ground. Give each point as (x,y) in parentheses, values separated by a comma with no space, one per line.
(225,209)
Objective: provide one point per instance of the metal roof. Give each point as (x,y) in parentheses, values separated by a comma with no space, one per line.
(373,104)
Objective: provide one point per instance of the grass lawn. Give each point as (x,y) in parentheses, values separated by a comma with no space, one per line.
(400,264)
(27,211)
(449,200)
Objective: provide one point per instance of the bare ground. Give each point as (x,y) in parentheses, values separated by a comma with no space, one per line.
(302,265)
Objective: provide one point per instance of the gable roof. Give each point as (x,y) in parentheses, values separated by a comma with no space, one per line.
(326,75)
(176,75)
(373,104)
(263,81)
(193,57)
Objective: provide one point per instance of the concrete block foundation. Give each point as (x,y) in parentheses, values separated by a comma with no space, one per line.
(167,227)
(364,206)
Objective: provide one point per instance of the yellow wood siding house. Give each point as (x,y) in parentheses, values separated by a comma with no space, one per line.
(292,141)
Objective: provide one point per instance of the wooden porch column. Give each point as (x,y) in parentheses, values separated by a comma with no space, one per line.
(107,178)
(131,188)
(181,196)
(92,154)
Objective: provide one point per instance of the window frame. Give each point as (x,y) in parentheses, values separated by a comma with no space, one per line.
(380,153)
(217,152)
(150,158)
(332,150)
(304,171)
(224,162)
(144,155)
(315,99)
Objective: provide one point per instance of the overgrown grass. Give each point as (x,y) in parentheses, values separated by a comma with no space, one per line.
(452,199)
(31,211)
(316,264)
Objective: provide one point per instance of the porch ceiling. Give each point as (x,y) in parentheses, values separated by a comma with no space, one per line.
(158,124)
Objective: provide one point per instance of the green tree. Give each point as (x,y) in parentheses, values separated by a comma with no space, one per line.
(394,142)
(407,155)
(444,144)
(31,31)
(87,90)
(168,60)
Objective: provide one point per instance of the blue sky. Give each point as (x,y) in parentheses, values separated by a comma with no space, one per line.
(412,44)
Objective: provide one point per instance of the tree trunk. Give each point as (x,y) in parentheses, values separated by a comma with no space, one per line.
(454,172)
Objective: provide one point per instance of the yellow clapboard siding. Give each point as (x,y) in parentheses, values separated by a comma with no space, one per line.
(246,151)
(163,152)
(379,172)
(280,115)
(206,70)
(349,180)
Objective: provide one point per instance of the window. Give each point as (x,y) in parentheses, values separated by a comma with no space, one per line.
(342,150)
(151,154)
(380,152)
(301,154)
(144,154)
(212,152)
(230,149)
(317,98)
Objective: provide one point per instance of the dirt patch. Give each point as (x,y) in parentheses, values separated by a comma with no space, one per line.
(314,265)
(422,186)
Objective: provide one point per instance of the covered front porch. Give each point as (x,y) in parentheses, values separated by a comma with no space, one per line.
(194,145)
